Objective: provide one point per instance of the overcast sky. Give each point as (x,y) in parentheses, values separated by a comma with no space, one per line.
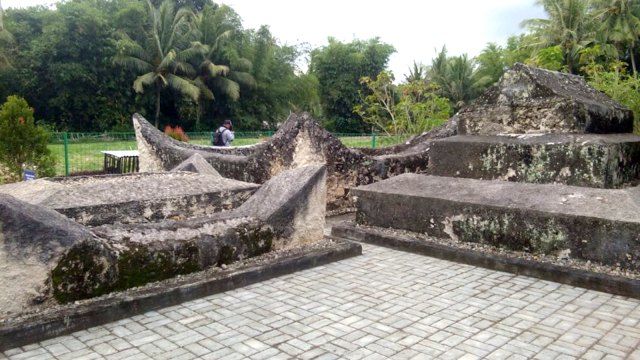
(416,28)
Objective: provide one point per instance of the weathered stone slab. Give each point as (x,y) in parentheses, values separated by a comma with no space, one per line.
(593,160)
(592,224)
(134,198)
(287,211)
(532,100)
(32,240)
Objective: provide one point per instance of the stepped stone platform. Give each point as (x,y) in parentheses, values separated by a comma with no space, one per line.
(592,160)
(532,100)
(134,198)
(585,223)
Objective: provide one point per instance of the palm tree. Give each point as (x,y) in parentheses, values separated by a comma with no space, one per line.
(6,39)
(621,23)
(456,78)
(491,63)
(162,57)
(416,73)
(569,25)
(212,57)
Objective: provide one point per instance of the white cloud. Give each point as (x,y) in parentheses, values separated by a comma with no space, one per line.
(26,3)
(415,28)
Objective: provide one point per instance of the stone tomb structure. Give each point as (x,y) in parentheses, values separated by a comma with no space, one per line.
(299,141)
(46,256)
(543,164)
(135,198)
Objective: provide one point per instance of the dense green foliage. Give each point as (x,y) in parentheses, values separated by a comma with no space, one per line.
(339,68)
(594,38)
(23,142)
(89,64)
(409,108)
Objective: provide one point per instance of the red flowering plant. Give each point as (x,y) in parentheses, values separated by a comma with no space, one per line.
(176,133)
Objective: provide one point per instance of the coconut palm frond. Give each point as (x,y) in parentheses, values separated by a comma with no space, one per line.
(214,70)
(168,60)
(183,86)
(228,87)
(181,67)
(243,78)
(132,63)
(205,92)
(142,81)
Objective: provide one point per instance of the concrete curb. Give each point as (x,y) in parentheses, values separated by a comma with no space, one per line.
(580,278)
(122,305)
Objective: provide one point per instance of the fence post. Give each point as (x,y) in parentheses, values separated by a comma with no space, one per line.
(373,140)
(65,137)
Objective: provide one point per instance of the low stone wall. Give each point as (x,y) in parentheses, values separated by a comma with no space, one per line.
(299,141)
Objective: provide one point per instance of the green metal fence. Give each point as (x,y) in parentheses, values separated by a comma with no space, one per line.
(81,153)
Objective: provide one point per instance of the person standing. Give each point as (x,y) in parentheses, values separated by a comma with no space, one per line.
(224,135)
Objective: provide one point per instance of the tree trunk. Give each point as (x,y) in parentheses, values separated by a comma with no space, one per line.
(157,108)
(633,61)
(200,114)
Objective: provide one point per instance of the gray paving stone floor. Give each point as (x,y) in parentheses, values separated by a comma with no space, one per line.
(384,304)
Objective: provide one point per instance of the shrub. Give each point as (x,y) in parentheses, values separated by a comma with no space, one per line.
(176,133)
(22,142)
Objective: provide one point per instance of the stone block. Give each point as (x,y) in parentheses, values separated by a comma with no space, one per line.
(587,223)
(532,100)
(592,160)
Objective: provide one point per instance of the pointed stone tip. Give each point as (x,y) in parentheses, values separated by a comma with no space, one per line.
(196,163)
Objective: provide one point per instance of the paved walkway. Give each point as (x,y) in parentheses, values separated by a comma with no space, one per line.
(384,304)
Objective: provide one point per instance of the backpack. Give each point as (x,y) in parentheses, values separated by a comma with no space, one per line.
(217,139)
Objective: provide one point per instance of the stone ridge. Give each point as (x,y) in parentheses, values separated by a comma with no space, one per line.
(531,100)
(299,141)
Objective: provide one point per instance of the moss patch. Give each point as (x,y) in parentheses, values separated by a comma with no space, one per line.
(138,266)
(81,273)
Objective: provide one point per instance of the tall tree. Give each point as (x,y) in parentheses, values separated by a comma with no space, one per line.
(491,63)
(569,25)
(456,78)
(417,72)
(219,67)
(6,39)
(339,68)
(621,24)
(162,57)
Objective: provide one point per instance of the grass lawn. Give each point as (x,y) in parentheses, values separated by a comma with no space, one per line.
(86,156)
